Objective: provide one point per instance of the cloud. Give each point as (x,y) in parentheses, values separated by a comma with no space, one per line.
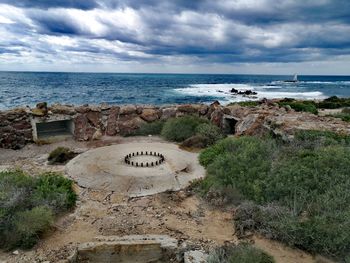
(192,32)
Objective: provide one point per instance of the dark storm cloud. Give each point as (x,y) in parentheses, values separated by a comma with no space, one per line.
(80,4)
(223,31)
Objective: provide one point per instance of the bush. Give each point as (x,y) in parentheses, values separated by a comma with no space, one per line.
(28,224)
(304,105)
(243,166)
(334,103)
(301,187)
(61,155)
(152,128)
(54,191)
(210,131)
(180,129)
(242,253)
(342,116)
(27,205)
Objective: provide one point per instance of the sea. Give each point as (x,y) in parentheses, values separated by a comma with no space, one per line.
(29,88)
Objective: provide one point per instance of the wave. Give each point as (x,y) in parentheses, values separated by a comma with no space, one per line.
(222,92)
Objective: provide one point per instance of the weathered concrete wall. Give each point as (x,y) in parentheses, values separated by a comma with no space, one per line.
(128,249)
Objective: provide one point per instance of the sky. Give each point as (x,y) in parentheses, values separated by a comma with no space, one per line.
(176,36)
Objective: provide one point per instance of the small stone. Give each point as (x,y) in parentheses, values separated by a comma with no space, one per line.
(16,252)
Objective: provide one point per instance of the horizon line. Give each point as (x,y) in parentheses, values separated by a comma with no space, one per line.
(162,73)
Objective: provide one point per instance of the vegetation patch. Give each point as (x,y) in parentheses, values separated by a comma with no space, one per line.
(182,128)
(334,102)
(242,253)
(28,205)
(298,190)
(61,155)
(250,103)
(300,105)
(150,128)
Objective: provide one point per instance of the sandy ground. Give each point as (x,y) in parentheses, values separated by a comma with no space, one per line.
(182,214)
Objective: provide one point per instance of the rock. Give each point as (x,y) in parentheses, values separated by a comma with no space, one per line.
(94,118)
(38,112)
(187,108)
(97,135)
(203,110)
(112,121)
(127,126)
(217,117)
(82,109)
(196,141)
(127,110)
(62,109)
(149,115)
(16,252)
(244,92)
(80,123)
(195,256)
(168,113)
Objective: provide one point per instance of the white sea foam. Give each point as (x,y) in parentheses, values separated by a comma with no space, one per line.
(223,92)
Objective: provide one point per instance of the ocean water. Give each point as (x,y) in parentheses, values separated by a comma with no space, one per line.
(27,88)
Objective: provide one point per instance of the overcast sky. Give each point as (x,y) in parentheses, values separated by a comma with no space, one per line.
(188,36)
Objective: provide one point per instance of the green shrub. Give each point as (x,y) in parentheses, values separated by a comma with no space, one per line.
(61,155)
(334,103)
(208,155)
(242,253)
(317,137)
(342,116)
(301,186)
(209,131)
(304,105)
(54,191)
(27,205)
(28,224)
(180,129)
(152,128)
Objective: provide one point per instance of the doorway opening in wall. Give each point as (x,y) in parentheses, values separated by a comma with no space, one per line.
(229,125)
(50,129)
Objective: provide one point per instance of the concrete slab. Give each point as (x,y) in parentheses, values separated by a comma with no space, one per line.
(104,169)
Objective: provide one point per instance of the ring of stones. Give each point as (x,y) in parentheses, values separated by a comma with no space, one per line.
(128,159)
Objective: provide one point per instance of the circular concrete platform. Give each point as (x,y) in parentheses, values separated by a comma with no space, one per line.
(104,169)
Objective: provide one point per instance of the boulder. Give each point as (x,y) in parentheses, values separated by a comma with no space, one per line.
(128,110)
(149,115)
(38,112)
(97,135)
(168,113)
(94,118)
(127,126)
(80,124)
(195,256)
(62,109)
(217,117)
(203,110)
(112,121)
(187,108)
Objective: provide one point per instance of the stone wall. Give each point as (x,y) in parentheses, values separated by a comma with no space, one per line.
(15,129)
(92,122)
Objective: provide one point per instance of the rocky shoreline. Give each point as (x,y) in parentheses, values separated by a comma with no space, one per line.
(18,127)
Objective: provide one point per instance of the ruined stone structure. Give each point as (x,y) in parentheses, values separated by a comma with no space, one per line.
(24,125)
